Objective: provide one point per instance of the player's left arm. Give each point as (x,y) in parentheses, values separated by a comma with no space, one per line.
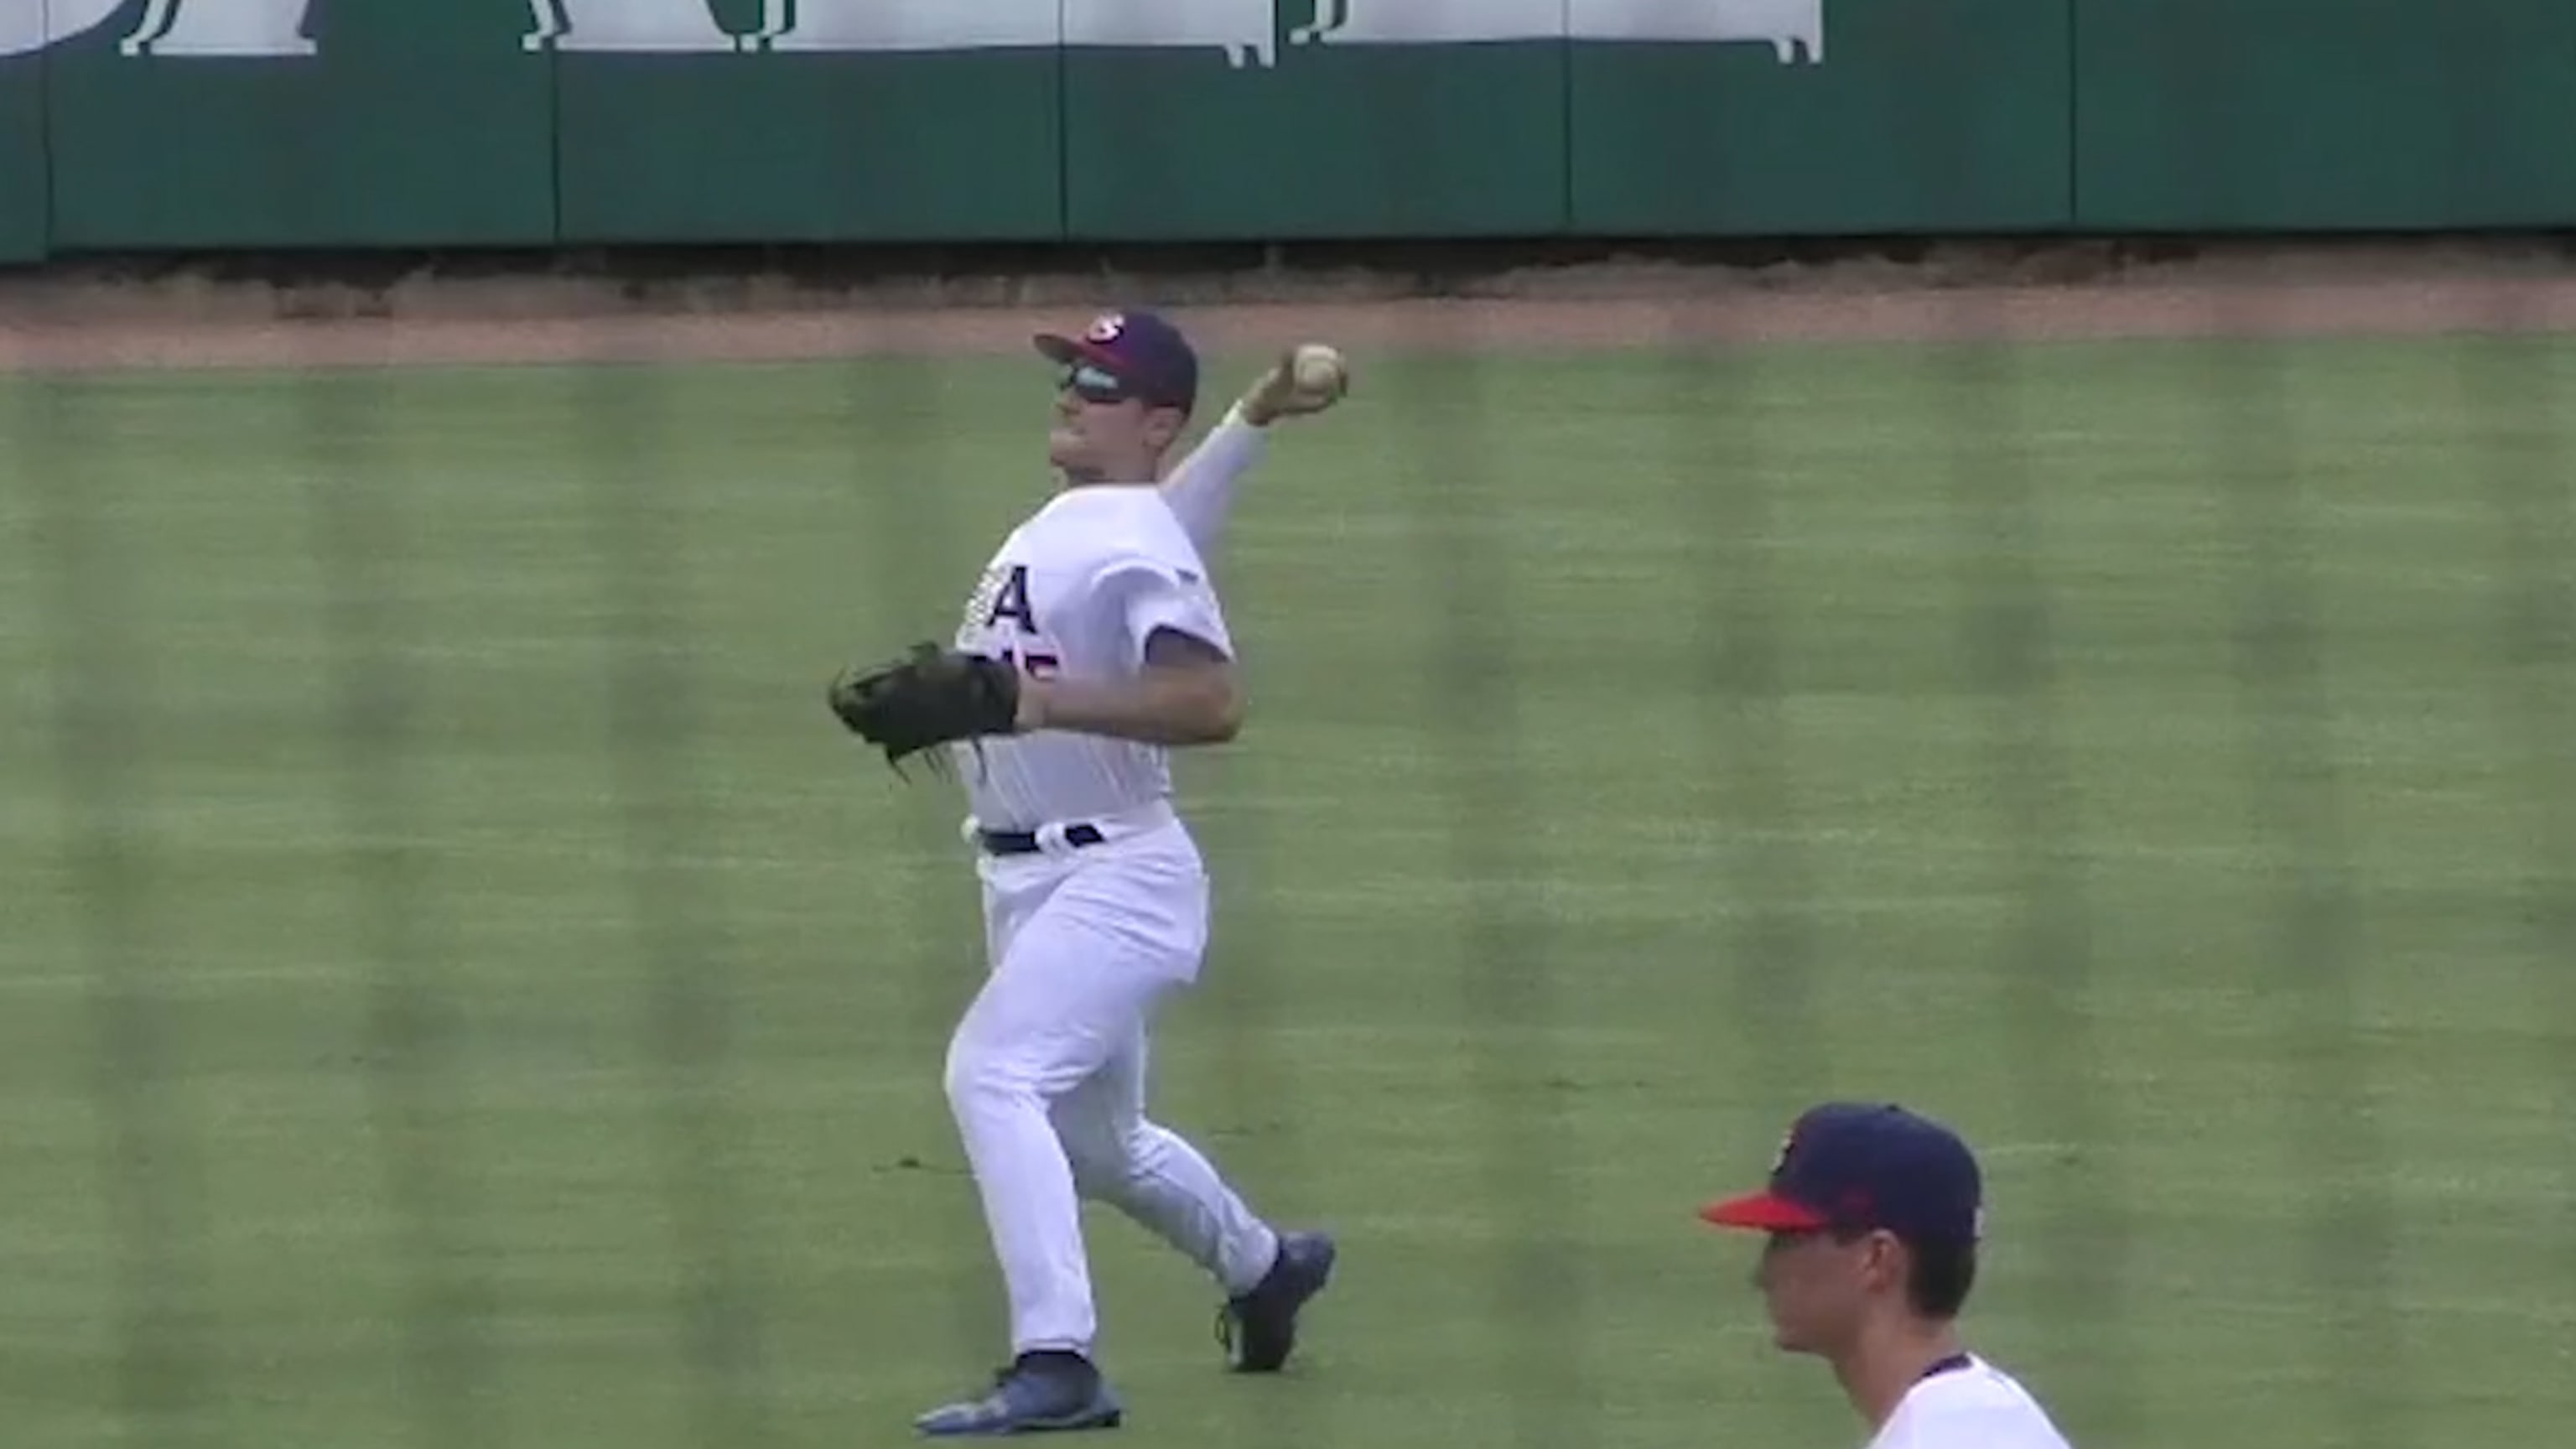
(1184,690)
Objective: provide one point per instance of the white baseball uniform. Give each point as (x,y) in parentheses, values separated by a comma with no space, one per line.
(1977,1406)
(1046,1072)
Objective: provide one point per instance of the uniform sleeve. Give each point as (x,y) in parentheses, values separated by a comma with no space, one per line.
(1200,489)
(1156,594)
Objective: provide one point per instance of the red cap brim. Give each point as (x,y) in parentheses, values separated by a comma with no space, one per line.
(1056,347)
(1763,1212)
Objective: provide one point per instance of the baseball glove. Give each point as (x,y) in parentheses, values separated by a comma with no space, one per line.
(928,697)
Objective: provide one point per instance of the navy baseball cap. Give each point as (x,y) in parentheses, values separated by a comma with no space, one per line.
(1863,1167)
(1148,356)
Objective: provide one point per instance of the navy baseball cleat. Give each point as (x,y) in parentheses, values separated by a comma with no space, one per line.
(1041,1393)
(1259,1328)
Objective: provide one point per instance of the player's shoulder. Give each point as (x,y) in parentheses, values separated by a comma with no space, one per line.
(1978,1407)
(1109,528)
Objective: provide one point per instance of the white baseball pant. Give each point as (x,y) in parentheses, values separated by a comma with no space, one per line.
(1046,1072)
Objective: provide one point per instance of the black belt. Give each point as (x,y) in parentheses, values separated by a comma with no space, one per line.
(1025,842)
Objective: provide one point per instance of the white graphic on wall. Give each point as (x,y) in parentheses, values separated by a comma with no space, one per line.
(166,27)
(1787,26)
(1242,29)
(684,27)
(221,27)
(1431,22)
(837,25)
(26,29)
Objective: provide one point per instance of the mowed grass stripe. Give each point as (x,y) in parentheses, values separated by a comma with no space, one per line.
(1337,1058)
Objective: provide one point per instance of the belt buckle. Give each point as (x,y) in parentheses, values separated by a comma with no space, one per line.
(1052,838)
(1060,836)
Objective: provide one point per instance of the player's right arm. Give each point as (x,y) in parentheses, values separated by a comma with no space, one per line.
(1200,489)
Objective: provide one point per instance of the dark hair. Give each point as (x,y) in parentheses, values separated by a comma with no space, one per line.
(1937,1275)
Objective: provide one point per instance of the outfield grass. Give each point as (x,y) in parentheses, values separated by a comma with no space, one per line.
(470,993)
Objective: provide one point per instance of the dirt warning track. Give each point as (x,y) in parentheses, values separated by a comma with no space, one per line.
(71,323)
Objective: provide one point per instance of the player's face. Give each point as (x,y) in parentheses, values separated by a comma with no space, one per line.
(1813,1286)
(1102,432)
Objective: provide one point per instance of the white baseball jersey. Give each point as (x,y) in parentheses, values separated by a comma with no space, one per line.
(1076,591)
(1975,1407)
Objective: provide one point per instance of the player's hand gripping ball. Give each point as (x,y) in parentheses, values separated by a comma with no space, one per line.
(930,696)
(1308,378)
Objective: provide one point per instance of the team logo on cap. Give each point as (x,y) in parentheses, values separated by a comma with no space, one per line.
(1105,328)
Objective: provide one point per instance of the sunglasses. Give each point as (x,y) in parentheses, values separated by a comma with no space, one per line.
(1093,383)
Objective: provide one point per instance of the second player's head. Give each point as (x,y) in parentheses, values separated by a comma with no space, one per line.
(1125,392)
(1873,1215)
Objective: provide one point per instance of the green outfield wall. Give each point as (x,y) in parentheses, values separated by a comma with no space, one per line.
(198,124)
(25,207)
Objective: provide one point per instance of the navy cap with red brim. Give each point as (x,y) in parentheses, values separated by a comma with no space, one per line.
(1140,349)
(1056,347)
(1865,1166)
(1764,1212)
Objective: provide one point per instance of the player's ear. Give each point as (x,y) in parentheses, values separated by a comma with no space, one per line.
(1883,1260)
(1163,426)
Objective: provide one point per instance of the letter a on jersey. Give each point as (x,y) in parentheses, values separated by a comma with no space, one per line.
(1011,602)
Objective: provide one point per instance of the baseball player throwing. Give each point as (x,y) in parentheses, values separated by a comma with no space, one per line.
(1874,1215)
(1092,646)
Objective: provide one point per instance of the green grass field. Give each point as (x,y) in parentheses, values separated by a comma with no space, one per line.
(458,987)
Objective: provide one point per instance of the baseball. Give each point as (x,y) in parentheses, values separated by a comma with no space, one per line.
(1319,371)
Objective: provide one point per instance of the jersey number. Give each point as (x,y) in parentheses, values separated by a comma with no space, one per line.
(1030,662)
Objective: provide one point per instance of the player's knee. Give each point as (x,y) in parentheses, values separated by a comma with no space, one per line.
(1141,1149)
(1108,1165)
(976,1074)
(1098,1171)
